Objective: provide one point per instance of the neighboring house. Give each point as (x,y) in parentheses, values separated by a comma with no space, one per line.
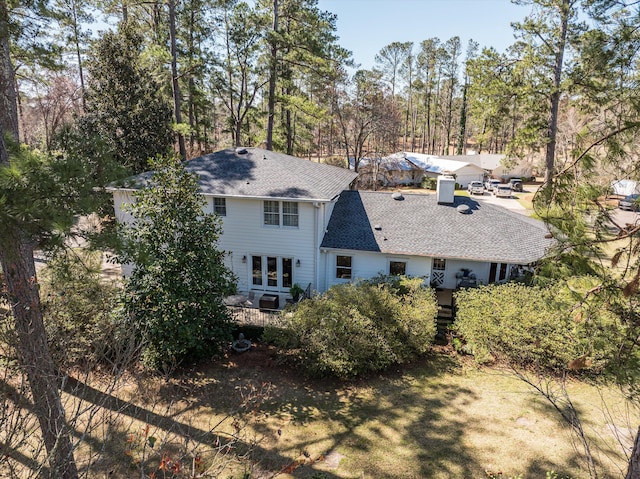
(624,187)
(287,220)
(389,171)
(493,164)
(434,166)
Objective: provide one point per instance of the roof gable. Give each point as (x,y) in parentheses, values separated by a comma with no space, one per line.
(258,173)
(418,225)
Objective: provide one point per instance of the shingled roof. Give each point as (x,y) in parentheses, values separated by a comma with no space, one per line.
(254,172)
(418,225)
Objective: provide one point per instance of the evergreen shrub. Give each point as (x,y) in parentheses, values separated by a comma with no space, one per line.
(355,329)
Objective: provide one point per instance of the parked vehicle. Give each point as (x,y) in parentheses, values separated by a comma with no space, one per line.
(502,191)
(476,188)
(516,184)
(630,203)
(490,184)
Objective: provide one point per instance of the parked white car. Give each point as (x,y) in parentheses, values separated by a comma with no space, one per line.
(476,188)
(490,184)
(502,191)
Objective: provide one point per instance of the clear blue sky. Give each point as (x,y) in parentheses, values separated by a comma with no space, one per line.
(365,26)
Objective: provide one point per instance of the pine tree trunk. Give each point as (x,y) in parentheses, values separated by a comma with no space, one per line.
(16,259)
(174,77)
(272,79)
(555,94)
(463,122)
(8,96)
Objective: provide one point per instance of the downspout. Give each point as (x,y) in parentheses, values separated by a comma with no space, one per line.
(324,226)
(320,284)
(316,248)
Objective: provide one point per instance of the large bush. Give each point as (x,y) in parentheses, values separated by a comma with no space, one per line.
(555,328)
(176,290)
(354,329)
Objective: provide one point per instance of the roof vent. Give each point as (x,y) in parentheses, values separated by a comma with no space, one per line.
(264,157)
(241,151)
(377,227)
(397,196)
(464,209)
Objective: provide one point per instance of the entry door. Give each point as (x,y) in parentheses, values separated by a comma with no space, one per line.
(492,272)
(271,272)
(438,271)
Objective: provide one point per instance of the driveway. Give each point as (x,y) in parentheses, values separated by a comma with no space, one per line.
(625,217)
(508,203)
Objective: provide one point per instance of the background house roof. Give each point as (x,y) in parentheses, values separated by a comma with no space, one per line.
(418,225)
(389,163)
(437,164)
(487,161)
(263,174)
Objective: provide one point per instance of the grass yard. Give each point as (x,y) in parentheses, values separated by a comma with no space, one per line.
(439,418)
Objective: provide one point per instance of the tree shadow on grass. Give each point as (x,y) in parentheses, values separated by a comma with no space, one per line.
(407,422)
(121,436)
(367,414)
(577,461)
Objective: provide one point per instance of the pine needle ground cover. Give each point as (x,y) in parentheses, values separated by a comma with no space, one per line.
(437,418)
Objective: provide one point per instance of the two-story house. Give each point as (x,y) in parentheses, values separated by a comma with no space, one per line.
(288,220)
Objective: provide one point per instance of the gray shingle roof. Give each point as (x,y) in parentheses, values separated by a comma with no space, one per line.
(264,174)
(418,225)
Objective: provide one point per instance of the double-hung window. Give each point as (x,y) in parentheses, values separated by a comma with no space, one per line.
(272,213)
(289,213)
(220,206)
(278,213)
(343,267)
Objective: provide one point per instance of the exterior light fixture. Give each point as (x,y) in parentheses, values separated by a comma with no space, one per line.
(297,263)
(244,259)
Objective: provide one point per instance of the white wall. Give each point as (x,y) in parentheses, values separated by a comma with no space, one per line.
(466,175)
(244,234)
(480,269)
(367,265)
(120,201)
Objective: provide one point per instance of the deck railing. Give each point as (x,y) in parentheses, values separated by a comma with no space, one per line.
(254,316)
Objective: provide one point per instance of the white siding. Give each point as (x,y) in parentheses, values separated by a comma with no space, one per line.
(367,265)
(517,171)
(480,269)
(469,173)
(244,234)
